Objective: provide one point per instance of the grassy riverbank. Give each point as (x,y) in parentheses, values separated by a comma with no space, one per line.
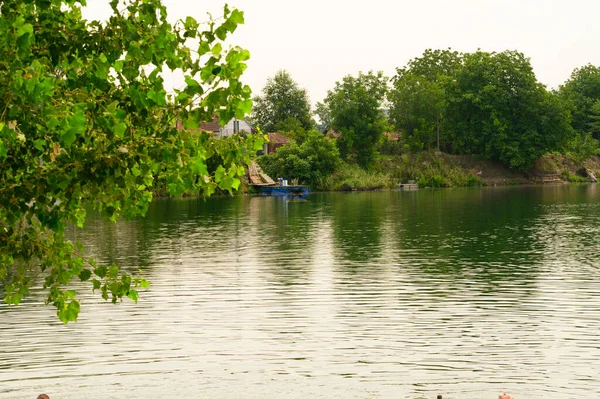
(430,169)
(437,170)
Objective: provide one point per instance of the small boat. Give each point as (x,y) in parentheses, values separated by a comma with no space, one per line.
(267,186)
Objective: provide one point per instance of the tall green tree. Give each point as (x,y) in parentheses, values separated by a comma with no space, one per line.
(356,106)
(85,119)
(416,109)
(435,65)
(417,97)
(582,90)
(281,100)
(498,109)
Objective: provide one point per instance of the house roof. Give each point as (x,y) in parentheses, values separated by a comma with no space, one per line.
(278,138)
(212,126)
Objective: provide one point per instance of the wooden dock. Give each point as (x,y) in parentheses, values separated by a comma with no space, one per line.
(408,186)
(257,177)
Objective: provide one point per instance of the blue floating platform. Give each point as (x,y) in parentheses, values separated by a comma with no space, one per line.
(285,191)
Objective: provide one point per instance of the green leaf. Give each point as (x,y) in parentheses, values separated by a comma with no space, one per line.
(237,17)
(157,97)
(182,97)
(14,299)
(193,87)
(216,50)
(76,125)
(133,295)
(235,184)
(80,215)
(190,23)
(69,312)
(118,65)
(101,271)
(113,272)
(102,72)
(244,55)
(85,275)
(120,129)
(209,189)
(25,29)
(203,47)
(221,32)
(68,137)
(243,109)
(39,144)
(259,143)
(62,184)
(220,173)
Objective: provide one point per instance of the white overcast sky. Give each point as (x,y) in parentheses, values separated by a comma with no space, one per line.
(320,41)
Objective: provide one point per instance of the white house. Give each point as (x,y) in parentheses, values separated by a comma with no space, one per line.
(234,126)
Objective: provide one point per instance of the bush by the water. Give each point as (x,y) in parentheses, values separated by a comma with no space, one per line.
(310,162)
(427,170)
(351,177)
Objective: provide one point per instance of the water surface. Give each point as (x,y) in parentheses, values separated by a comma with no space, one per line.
(464,292)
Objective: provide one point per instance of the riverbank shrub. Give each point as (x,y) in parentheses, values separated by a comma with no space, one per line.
(573,177)
(390,147)
(310,162)
(351,177)
(451,177)
(427,170)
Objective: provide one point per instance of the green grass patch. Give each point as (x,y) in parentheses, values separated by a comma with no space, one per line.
(351,177)
(427,170)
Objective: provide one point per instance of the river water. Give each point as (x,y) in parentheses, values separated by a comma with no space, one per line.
(460,292)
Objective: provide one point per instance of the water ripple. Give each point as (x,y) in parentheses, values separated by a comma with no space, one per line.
(374,295)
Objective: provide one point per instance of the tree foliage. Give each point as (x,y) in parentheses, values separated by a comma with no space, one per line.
(416,109)
(417,98)
(85,119)
(498,109)
(594,123)
(435,65)
(282,100)
(311,161)
(324,114)
(582,90)
(356,107)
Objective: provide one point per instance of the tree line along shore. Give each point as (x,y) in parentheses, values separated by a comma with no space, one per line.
(445,119)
